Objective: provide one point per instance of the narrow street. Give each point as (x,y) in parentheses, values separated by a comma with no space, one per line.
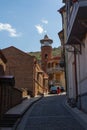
(49,114)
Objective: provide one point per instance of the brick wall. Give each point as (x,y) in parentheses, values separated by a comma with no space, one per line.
(22,66)
(9,96)
(45,51)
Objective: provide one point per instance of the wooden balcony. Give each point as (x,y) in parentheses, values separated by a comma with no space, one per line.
(77,22)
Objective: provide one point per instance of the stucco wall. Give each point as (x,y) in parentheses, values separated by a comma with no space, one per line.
(83,76)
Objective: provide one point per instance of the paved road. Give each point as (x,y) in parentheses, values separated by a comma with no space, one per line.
(49,114)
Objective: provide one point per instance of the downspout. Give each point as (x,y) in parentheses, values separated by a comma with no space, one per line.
(65,68)
(76,84)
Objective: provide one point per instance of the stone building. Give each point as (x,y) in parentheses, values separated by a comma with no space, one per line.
(28,74)
(9,96)
(50,64)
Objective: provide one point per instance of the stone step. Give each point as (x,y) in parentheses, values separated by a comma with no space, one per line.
(9,120)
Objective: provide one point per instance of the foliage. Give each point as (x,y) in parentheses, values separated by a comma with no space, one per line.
(56,51)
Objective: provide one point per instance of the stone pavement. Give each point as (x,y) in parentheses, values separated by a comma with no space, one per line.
(78,115)
(49,114)
(21,108)
(27,103)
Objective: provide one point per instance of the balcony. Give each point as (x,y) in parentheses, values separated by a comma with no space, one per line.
(54,70)
(77,24)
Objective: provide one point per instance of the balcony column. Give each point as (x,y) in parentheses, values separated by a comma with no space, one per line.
(54,65)
(54,77)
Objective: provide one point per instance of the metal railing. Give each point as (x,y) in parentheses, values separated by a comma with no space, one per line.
(54,69)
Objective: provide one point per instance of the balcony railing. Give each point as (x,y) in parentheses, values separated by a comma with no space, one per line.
(54,70)
(79,12)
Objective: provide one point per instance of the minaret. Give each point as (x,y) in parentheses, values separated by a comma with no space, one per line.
(46,51)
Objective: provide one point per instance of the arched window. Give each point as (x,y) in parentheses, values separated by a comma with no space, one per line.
(46,56)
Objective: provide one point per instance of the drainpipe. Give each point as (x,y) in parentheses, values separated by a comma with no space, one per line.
(65,68)
(76,84)
(63,64)
(80,104)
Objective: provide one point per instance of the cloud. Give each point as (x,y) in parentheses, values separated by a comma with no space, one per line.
(44,21)
(40,29)
(7,27)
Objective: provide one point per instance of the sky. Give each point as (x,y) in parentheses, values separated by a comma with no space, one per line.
(23,23)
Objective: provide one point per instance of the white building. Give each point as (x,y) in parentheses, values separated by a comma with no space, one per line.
(75,21)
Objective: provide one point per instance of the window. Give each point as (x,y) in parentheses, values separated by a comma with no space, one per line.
(46,56)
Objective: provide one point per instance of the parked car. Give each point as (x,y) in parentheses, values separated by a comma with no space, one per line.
(62,89)
(53,90)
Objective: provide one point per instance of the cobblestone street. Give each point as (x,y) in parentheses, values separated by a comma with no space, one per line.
(49,114)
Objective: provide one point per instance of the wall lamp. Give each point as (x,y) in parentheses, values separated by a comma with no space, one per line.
(74,45)
(74,48)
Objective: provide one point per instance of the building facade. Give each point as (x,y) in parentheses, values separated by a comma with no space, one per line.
(76,40)
(50,64)
(9,96)
(25,69)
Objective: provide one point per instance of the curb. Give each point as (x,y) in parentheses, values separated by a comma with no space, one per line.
(80,116)
(19,120)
